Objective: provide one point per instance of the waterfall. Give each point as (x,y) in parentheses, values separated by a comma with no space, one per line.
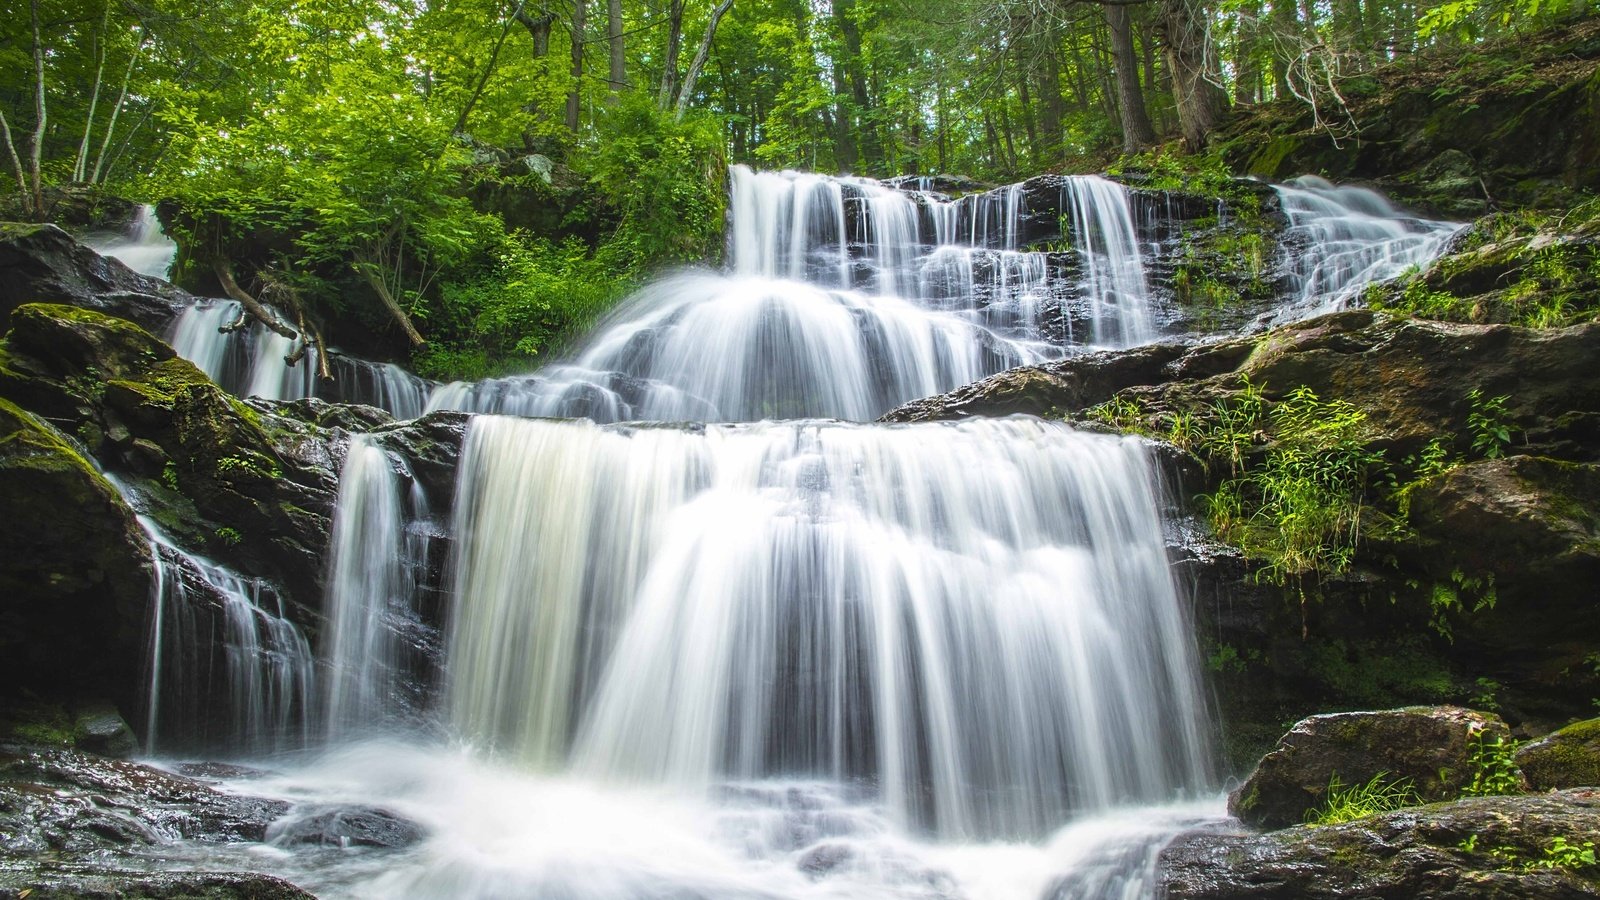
(977,618)
(144,247)
(1343,238)
(844,298)
(251,361)
(228,670)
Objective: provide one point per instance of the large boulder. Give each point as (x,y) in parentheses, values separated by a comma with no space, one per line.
(1433,748)
(75,574)
(44,264)
(1481,848)
(1566,758)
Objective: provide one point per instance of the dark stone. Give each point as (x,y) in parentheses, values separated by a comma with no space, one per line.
(1431,747)
(44,264)
(101,729)
(1482,848)
(354,826)
(46,879)
(1568,758)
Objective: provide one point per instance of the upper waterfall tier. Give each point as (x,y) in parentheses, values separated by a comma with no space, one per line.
(844,297)
(977,618)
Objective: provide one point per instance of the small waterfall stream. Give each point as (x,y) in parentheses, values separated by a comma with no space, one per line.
(144,248)
(783,655)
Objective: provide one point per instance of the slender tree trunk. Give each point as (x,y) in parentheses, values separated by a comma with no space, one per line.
(1137,132)
(619,60)
(488,70)
(1028,126)
(81,164)
(575,96)
(538,28)
(11,152)
(844,20)
(1247,71)
(698,64)
(122,98)
(1192,60)
(668,94)
(1053,110)
(39,113)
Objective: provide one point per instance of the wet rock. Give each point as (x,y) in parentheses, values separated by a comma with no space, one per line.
(75,574)
(73,802)
(44,264)
(353,826)
(1473,849)
(1567,758)
(207,771)
(1431,747)
(53,880)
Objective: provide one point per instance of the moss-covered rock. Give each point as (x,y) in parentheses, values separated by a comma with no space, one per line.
(75,574)
(1482,848)
(1432,748)
(1568,758)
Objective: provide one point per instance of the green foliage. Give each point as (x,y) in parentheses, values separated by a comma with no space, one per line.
(169,476)
(1489,423)
(229,536)
(1347,803)
(1565,853)
(1494,768)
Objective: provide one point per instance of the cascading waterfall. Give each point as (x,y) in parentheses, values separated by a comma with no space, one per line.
(977,618)
(144,248)
(250,361)
(1343,238)
(844,298)
(257,696)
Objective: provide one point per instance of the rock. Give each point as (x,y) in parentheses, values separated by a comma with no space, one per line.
(1568,758)
(352,826)
(1473,849)
(1432,747)
(44,264)
(72,802)
(51,880)
(75,574)
(101,729)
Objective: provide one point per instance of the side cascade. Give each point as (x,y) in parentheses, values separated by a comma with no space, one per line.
(251,360)
(227,669)
(143,247)
(977,618)
(844,297)
(1342,238)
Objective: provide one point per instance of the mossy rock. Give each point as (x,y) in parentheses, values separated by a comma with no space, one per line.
(1567,758)
(75,577)
(1430,747)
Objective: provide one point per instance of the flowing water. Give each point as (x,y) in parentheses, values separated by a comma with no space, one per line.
(1343,238)
(251,360)
(798,657)
(144,248)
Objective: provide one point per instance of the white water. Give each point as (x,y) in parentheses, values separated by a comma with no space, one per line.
(844,298)
(145,248)
(258,696)
(252,362)
(977,619)
(1343,238)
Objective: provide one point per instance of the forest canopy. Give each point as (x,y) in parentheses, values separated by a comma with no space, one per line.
(479,177)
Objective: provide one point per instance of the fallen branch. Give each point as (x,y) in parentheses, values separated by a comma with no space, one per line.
(224,271)
(369,271)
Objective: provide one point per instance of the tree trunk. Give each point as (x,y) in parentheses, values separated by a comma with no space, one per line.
(871,148)
(1192,60)
(122,98)
(1285,28)
(1053,110)
(11,152)
(1247,72)
(39,113)
(668,94)
(619,60)
(575,96)
(698,64)
(1137,132)
(369,271)
(1028,125)
(538,28)
(80,166)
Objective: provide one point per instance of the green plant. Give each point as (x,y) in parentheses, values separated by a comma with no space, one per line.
(229,536)
(1562,853)
(1489,423)
(1347,803)
(1121,413)
(1494,767)
(169,476)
